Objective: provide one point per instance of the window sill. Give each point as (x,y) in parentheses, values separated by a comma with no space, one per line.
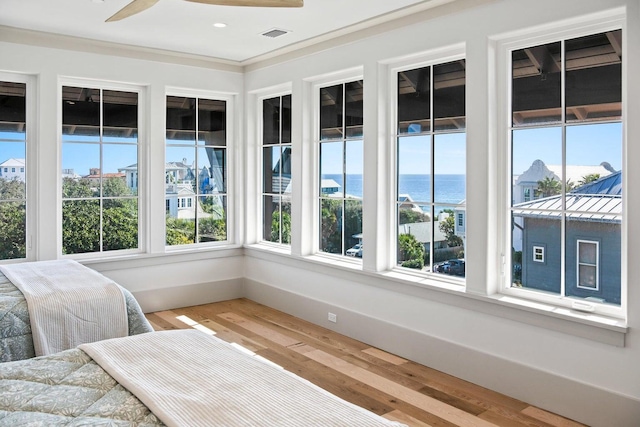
(116,262)
(594,327)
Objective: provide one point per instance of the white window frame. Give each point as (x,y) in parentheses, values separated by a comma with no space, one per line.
(232,199)
(143,165)
(538,250)
(31,152)
(425,59)
(578,27)
(312,245)
(596,265)
(286,91)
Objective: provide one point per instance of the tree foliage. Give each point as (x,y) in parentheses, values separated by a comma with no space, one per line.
(286,227)
(548,187)
(589,178)
(12,219)
(83,223)
(410,216)
(411,251)
(448,227)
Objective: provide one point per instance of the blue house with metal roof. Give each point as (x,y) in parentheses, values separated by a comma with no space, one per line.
(592,241)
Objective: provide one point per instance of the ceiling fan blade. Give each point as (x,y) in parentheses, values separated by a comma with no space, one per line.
(136,6)
(253,3)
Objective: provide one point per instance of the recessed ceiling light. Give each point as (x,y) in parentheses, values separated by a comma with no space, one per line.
(97,1)
(219,25)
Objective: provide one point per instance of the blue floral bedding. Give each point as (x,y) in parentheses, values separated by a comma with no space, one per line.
(67,389)
(16,342)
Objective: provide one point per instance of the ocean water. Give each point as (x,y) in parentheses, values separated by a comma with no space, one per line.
(448,189)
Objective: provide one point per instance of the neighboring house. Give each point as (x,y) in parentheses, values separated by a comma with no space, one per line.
(13,169)
(329,187)
(95,175)
(592,241)
(525,186)
(131,176)
(422,232)
(182,203)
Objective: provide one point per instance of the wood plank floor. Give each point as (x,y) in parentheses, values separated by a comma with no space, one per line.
(383,383)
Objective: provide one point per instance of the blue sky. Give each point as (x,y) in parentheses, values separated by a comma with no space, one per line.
(586,145)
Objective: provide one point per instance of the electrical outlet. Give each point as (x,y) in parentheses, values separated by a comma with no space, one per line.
(333,317)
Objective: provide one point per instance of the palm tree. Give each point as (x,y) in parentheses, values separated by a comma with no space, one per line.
(548,187)
(589,178)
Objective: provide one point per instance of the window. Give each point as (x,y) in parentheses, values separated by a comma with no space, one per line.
(538,253)
(430,171)
(13,170)
(99,137)
(566,143)
(341,166)
(13,147)
(587,264)
(276,169)
(460,220)
(196,170)
(21,170)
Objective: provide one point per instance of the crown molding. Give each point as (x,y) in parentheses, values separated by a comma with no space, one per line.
(59,41)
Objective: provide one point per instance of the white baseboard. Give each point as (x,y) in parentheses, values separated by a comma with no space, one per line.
(575,400)
(188,295)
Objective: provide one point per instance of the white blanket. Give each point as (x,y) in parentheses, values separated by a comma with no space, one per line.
(69,304)
(189,378)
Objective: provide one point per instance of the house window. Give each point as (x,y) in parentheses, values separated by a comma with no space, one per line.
(13,145)
(276,169)
(430,169)
(196,156)
(460,220)
(566,134)
(587,264)
(538,254)
(99,136)
(21,170)
(13,169)
(341,166)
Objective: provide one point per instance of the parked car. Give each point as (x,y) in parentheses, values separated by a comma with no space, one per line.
(453,266)
(355,251)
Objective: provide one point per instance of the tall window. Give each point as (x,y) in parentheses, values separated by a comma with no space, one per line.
(13,141)
(566,144)
(341,166)
(431,168)
(99,141)
(196,170)
(276,169)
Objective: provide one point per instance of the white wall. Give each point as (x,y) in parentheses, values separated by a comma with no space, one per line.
(553,367)
(537,357)
(158,278)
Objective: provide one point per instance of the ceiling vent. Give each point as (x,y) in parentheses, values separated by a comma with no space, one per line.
(275,32)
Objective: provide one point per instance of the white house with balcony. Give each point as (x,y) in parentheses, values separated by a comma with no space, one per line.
(12,169)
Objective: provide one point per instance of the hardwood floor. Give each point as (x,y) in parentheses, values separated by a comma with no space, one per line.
(383,383)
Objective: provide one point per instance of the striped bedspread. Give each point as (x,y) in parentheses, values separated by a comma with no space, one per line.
(189,378)
(68,304)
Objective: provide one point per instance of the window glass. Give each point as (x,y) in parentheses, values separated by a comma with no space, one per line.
(341,169)
(430,170)
(195,171)
(99,170)
(567,168)
(13,145)
(276,170)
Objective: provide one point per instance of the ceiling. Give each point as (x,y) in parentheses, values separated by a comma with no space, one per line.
(187,27)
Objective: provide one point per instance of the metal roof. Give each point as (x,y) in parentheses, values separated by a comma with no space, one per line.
(600,201)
